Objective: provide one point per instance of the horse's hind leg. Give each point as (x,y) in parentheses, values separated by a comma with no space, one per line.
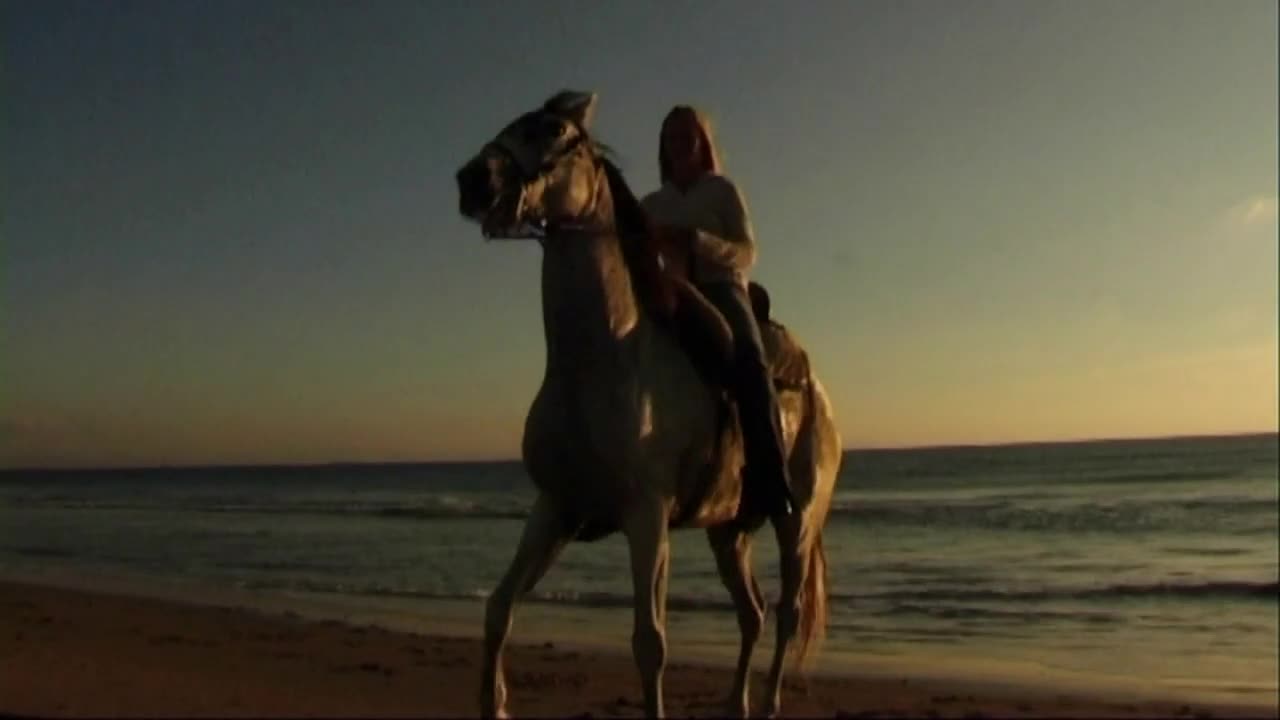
(792,562)
(732,548)
(545,534)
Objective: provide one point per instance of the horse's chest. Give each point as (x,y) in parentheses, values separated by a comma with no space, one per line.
(579,445)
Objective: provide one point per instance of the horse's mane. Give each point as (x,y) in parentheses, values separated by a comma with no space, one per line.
(632,223)
(629,215)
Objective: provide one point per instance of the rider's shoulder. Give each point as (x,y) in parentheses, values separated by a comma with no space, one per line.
(722,186)
(719,181)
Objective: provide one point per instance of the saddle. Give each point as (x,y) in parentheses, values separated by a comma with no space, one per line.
(704,335)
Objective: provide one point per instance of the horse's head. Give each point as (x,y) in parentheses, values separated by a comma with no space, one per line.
(539,169)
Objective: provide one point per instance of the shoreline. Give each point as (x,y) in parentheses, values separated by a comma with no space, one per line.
(118,650)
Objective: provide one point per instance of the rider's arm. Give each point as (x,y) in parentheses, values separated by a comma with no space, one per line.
(736,247)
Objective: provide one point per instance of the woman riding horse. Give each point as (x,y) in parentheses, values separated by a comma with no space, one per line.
(699,212)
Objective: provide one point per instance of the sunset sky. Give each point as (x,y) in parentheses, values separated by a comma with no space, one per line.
(230,231)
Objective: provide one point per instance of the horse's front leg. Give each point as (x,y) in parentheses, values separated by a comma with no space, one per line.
(545,534)
(646,530)
(732,548)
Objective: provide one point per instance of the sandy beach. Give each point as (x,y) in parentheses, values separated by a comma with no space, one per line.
(73,653)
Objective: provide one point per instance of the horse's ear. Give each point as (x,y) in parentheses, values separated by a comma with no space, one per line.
(580,107)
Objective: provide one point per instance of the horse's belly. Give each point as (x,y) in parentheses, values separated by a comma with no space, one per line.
(723,494)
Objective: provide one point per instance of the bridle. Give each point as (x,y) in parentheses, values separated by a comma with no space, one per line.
(541,228)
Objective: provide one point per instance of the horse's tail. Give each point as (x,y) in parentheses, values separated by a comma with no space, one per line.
(812,627)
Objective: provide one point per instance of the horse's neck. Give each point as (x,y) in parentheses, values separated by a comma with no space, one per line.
(588,303)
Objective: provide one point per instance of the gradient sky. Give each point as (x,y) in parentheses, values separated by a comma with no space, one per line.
(230,231)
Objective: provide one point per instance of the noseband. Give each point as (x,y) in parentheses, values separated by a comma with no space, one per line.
(539,228)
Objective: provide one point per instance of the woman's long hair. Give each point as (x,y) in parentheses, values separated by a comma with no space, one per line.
(710,156)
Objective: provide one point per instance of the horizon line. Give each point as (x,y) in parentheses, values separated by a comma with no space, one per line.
(515,460)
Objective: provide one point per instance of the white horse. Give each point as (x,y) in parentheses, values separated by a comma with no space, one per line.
(625,434)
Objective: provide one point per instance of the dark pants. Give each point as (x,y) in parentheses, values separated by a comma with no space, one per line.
(766,482)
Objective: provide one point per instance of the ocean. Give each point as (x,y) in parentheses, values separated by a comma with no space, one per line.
(1141,563)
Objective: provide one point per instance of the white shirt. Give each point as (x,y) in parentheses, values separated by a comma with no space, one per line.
(724,248)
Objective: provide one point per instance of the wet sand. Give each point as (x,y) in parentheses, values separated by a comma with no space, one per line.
(73,653)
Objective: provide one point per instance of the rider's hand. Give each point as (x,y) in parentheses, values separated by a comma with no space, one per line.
(674,245)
